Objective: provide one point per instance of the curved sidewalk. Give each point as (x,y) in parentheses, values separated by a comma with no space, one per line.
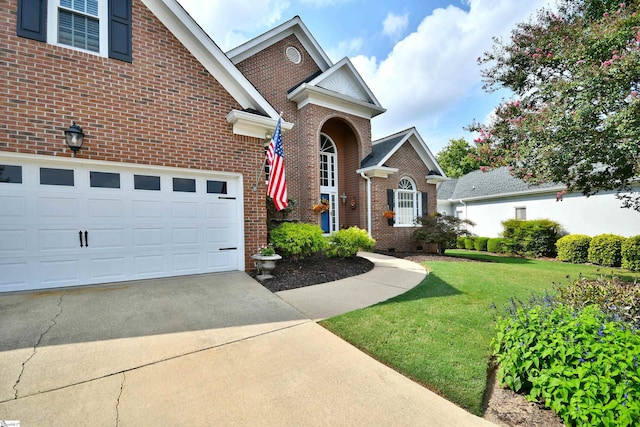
(390,277)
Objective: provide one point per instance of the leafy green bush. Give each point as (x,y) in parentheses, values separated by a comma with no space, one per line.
(573,248)
(617,299)
(631,253)
(460,242)
(606,249)
(533,238)
(480,243)
(347,243)
(469,243)
(297,239)
(579,364)
(442,230)
(495,245)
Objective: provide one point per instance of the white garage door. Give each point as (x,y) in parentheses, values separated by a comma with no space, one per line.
(71,223)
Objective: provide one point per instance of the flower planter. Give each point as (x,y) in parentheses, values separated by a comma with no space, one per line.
(265,265)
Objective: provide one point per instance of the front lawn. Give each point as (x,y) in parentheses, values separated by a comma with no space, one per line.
(439,332)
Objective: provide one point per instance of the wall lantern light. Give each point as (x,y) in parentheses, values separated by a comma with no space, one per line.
(343,198)
(74,137)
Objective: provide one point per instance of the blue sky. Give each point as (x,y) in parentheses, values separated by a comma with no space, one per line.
(417,56)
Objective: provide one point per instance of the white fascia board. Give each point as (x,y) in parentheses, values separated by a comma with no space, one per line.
(512,194)
(308,94)
(200,45)
(253,125)
(434,179)
(377,171)
(346,63)
(293,26)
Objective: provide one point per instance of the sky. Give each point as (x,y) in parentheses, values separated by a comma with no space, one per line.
(418,57)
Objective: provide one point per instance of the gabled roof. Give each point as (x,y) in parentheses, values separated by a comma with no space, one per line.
(336,86)
(384,148)
(495,183)
(199,44)
(293,26)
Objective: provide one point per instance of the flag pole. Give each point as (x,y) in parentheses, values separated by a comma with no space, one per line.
(264,162)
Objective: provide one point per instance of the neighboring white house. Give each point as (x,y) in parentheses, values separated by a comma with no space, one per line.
(488,198)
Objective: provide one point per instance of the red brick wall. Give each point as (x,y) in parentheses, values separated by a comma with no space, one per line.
(274,75)
(410,166)
(163,109)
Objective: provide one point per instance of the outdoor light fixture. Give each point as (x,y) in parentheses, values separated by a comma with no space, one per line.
(74,137)
(343,197)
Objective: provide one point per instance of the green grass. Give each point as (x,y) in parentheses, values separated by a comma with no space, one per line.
(439,332)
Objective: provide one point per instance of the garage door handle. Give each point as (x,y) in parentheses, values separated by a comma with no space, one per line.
(80,234)
(86,238)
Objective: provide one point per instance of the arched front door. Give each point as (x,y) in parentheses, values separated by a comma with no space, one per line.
(329,183)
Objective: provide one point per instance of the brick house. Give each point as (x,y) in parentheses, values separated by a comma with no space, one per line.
(174,134)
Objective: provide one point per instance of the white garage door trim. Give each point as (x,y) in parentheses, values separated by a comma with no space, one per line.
(131,233)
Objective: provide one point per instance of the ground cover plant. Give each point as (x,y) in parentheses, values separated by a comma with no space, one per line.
(439,333)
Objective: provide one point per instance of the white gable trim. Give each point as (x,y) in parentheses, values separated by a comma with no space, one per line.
(345,70)
(377,171)
(309,94)
(200,45)
(419,146)
(253,125)
(293,26)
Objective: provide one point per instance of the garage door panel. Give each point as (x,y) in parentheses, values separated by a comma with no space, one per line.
(14,276)
(180,210)
(146,209)
(12,207)
(148,237)
(13,242)
(58,207)
(58,239)
(222,210)
(221,260)
(60,272)
(105,208)
(107,238)
(187,262)
(185,236)
(221,236)
(107,269)
(152,265)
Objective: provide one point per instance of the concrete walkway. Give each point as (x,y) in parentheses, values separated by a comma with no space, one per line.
(214,349)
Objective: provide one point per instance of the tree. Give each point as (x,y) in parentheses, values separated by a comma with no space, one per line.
(442,230)
(576,117)
(458,158)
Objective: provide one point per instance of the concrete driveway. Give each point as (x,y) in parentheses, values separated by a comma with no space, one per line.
(214,349)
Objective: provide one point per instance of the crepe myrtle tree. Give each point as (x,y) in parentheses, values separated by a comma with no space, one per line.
(575,118)
(442,230)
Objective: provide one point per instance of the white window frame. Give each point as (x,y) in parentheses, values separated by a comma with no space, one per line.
(329,149)
(403,213)
(103,21)
(520,209)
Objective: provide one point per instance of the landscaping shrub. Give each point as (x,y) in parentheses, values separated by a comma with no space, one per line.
(297,239)
(469,243)
(631,253)
(533,238)
(460,242)
(347,243)
(480,243)
(606,249)
(573,248)
(617,299)
(577,363)
(495,245)
(442,230)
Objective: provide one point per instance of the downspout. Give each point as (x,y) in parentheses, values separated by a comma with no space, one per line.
(465,213)
(368,201)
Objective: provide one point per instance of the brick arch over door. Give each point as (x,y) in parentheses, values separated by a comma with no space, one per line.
(350,184)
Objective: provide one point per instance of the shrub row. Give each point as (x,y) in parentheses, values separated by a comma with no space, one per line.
(607,250)
(534,238)
(299,240)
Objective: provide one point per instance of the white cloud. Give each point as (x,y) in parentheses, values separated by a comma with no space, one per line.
(395,25)
(345,48)
(433,70)
(248,16)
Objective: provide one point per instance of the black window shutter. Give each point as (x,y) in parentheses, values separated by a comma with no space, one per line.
(425,205)
(32,19)
(390,204)
(120,30)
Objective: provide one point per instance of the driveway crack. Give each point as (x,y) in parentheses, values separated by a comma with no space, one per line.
(118,400)
(35,347)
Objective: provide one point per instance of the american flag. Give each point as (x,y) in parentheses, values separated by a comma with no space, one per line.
(277,188)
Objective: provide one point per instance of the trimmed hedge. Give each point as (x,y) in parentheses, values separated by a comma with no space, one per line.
(347,243)
(480,243)
(631,253)
(606,250)
(460,242)
(469,243)
(297,239)
(495,245)
(573,248)
(534,238)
